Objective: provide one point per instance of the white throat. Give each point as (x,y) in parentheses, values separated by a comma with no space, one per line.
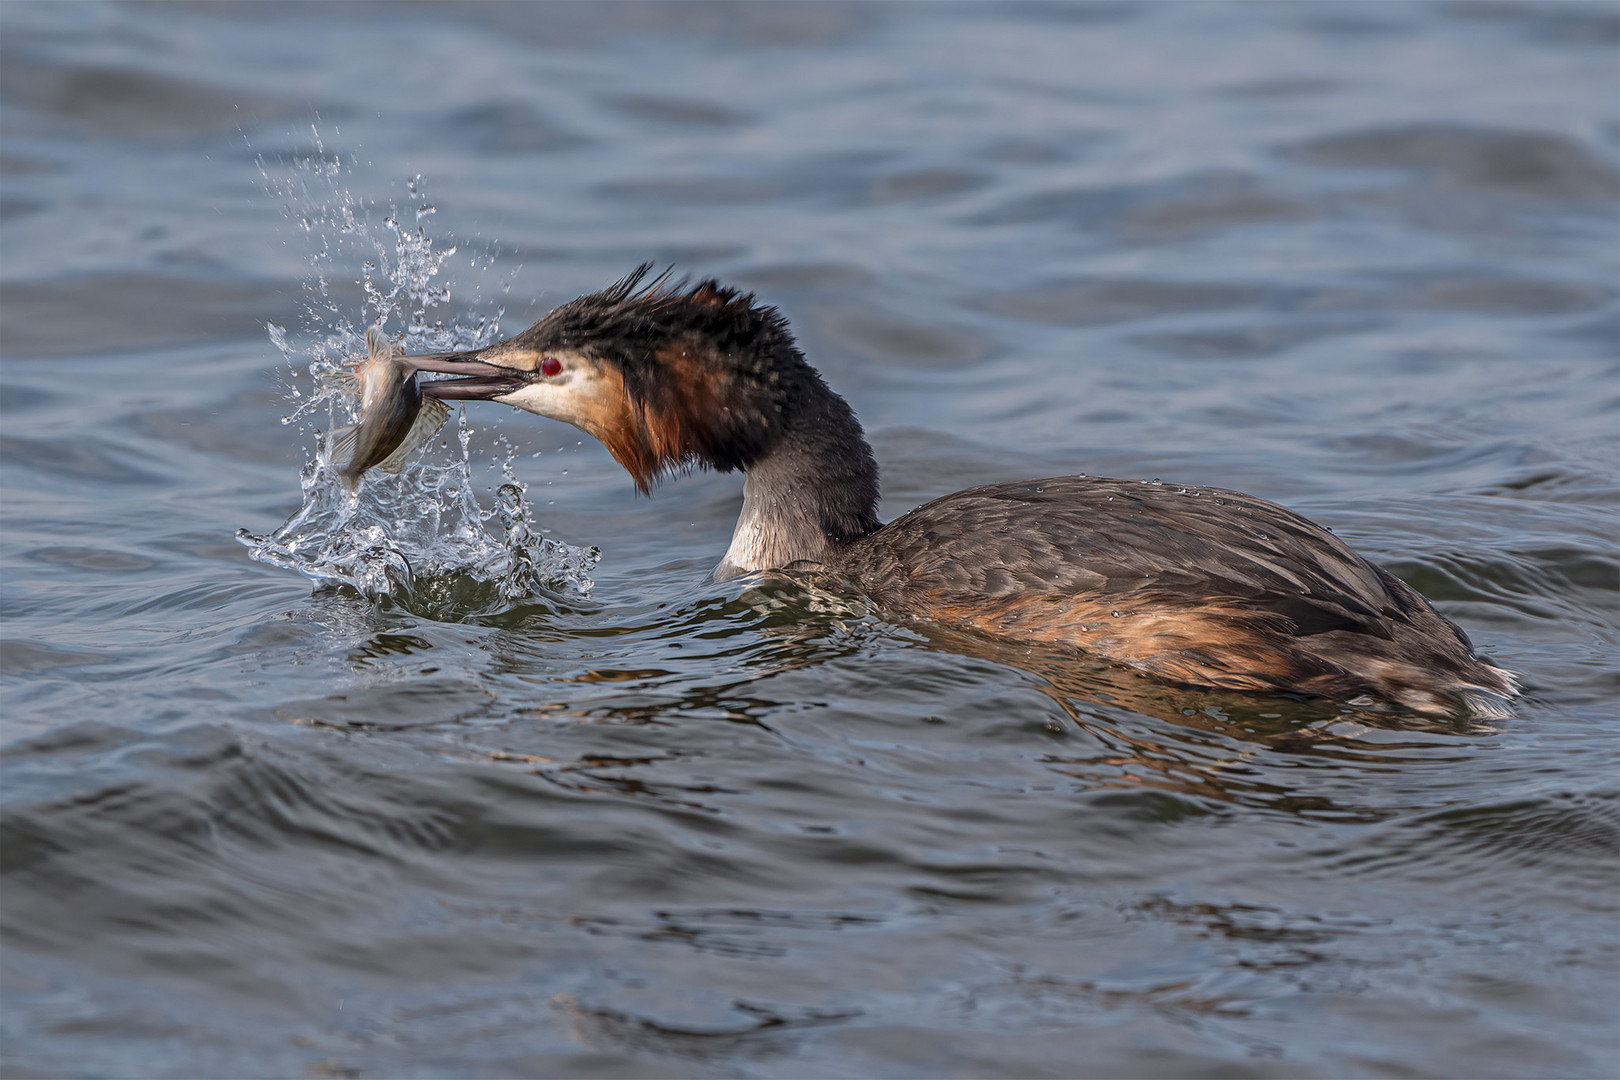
(778,525)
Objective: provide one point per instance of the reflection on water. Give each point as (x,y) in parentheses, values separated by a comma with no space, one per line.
(473,805)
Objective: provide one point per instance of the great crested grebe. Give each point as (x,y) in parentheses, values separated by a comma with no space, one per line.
(1206,587)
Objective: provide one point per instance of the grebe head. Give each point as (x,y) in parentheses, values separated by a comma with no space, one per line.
(667,376)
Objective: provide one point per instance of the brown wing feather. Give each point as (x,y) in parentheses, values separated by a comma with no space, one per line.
(1202,585)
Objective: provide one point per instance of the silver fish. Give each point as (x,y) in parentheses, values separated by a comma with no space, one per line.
(395,418)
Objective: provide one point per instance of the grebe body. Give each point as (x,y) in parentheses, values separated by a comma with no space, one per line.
(1195,585)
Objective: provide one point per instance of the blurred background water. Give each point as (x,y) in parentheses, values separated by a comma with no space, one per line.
(1358,258)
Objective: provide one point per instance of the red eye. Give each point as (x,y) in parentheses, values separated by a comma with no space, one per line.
(550,366)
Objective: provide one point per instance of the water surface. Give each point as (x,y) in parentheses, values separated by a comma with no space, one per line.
(1359,258)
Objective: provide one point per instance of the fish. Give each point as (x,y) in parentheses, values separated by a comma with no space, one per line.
(395,418)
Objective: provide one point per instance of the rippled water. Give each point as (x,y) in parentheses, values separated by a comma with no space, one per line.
(1358,258)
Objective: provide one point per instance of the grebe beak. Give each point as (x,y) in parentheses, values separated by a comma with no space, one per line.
(483,374)
(559,383)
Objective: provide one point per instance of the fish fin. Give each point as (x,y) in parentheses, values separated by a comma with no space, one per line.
(429,419)
(344,440)
(378,345)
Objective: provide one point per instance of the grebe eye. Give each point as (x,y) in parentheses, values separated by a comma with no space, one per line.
(550,366)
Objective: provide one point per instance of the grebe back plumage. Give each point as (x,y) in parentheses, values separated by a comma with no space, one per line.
(1200,586)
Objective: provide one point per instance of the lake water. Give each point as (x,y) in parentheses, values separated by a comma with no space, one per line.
(1362,259)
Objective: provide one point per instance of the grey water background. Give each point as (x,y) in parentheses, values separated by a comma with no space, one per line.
(1359,258)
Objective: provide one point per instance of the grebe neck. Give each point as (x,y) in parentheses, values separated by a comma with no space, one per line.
(814,490)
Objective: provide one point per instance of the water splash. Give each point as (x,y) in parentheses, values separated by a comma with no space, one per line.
(421,539)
